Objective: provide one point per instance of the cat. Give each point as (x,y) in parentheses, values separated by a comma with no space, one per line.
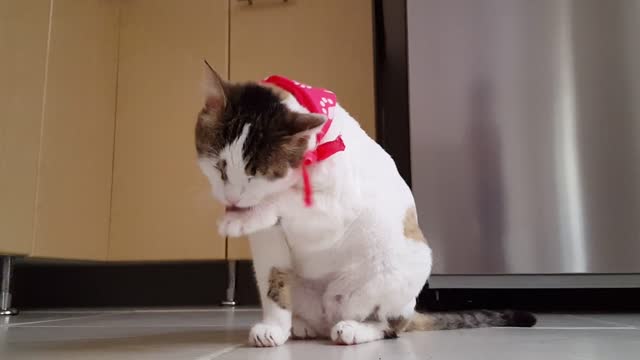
(347,266)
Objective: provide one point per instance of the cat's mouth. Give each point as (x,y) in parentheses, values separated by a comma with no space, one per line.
(234,208)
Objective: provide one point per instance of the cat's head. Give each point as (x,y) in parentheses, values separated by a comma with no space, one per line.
(248,142)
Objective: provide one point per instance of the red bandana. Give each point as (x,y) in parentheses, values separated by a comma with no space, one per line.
(317,101)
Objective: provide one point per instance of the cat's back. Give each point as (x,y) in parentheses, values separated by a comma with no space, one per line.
(373,166)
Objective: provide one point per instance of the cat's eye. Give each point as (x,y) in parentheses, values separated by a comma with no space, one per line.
(221,166)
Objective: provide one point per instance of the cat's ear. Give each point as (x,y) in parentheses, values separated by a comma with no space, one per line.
(213,88)
(304,122)
(300,128)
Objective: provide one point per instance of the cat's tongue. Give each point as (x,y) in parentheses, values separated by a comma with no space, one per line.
(234,208)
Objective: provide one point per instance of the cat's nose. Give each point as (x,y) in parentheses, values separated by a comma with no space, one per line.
(233,195)
(232,200)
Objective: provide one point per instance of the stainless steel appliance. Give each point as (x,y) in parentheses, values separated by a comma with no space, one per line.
(525,137)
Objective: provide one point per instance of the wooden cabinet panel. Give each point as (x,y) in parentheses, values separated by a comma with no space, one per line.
(326,43)
(238,249)
(162,207)
(76,158)
(24,25)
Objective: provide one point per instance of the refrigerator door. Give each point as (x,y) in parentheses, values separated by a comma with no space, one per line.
(525,134)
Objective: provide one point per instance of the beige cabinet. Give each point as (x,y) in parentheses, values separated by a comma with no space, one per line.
(58,106)
(162,208)
(23,47)
(76,145)
(327,43)
(98,101)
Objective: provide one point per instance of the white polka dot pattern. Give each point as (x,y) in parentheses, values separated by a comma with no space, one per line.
(316,100)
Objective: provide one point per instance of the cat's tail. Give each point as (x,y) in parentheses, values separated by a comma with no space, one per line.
(470,319)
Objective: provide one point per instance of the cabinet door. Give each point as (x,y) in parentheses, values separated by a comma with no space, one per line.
(327,43)
(76,154)
(162,207)
(24,26)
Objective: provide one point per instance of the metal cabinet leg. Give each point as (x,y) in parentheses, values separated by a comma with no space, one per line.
(5,289)
(231,286)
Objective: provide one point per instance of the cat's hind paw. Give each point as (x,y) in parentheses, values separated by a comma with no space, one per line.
(344,333)
(264,335)
(351,332)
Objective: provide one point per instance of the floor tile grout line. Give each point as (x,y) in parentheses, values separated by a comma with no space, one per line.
(115,325)
(586,317)
(201,310)
(141,311)
(164,326)
(52,320)
(583,328)
(219,353)
(66,311)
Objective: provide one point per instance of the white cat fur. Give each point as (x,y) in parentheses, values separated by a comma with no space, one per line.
(348,252)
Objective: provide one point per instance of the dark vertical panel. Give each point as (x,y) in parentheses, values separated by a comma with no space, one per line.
(391,79)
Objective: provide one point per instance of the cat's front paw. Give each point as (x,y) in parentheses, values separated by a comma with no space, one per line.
(246,223)
(264,335)
(232,224)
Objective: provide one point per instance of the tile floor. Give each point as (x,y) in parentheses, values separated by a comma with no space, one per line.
(221,333)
